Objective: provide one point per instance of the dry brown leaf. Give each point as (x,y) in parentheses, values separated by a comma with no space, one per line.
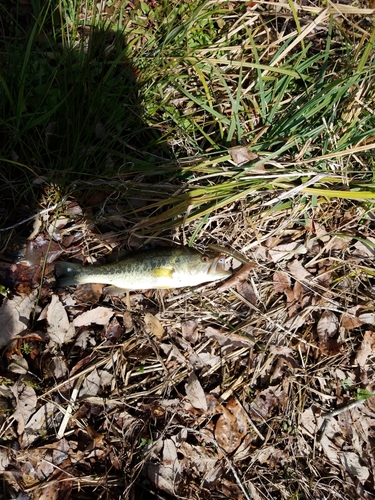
(90,385)
(232,340)
(367,348)
(19,277)
(88,293)
(154,326)
(165,475)
(319,230)
(202,458)
(14,316)
(365,250)
(97,437)
(263,404)
(349,319)
(339,243)
(195,393)
(189,330)
(328,325)
(247,291)
(59,328)
(4,459)
(367,318)
(40,423)
(229,489)
(232,426)
(281,281)
(241,155)
(58,367)
(297,270)
(353,466)
(127,320)
(114,331)
(25,404)
(18,364)
(97,316)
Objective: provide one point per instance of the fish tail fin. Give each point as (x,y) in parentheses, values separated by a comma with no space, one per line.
(67,273)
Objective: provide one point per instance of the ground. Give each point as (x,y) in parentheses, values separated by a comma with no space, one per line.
(244,129)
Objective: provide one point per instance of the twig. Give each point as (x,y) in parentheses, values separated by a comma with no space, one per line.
(44,211)
(328,416)
(69,410)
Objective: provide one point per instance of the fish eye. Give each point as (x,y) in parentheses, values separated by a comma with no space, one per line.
(204,258)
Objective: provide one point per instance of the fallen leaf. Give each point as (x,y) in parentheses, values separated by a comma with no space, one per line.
(353,466)
(202,458)
(18,364)
(365,249)
(281,281)
(40,424)
(349,319)
(189,330)
(319,230)
(230,489)
(58,367)
(88,293)
(231,426)
(42,249)
(327,326)
(106,378)
(90,385)
(165,475)
(247,292)
(241,155)
(19,277)
(339,243)
(59,328)
(15,315)
(263,404)
(26,402)
(127,320)
(154,326)
(229,340)
(195,393)
(97,316)
(97,437)
(4,459)
(366,349)
(297,270)
(367,318)
(114,331)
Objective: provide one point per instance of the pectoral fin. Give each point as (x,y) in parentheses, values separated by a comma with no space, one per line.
(162,272)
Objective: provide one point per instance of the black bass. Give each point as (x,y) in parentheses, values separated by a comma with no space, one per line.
(148,269)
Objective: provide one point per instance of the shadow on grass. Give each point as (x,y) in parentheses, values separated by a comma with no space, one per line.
(71,110)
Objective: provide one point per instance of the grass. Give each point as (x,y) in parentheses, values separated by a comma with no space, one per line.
(135,110)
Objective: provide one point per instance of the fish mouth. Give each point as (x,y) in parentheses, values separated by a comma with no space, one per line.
(217,267)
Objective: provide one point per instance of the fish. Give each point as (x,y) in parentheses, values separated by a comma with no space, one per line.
(159,268)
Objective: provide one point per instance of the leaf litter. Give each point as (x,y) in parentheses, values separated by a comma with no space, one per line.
(214,391)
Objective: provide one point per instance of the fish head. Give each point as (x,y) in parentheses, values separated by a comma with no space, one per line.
(196,268)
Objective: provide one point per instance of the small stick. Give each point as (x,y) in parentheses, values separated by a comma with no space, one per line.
(46,210)
(69,410)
